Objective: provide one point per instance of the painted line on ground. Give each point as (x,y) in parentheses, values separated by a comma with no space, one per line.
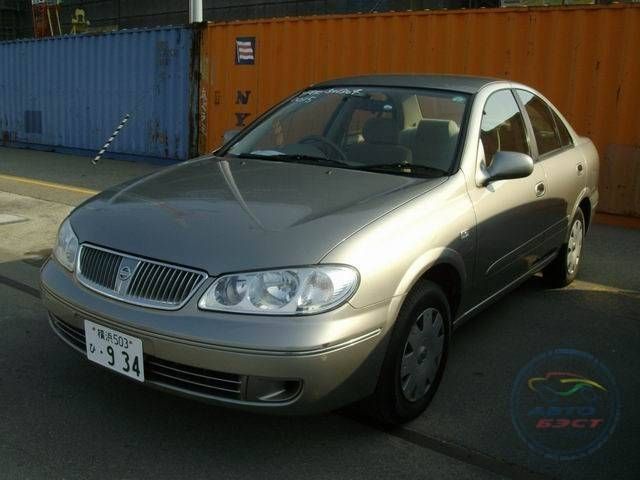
(10,282)
(460,453)
(466,455)
(42,183)
(7,219)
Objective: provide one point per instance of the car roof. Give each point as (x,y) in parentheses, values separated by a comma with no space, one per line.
(458,83)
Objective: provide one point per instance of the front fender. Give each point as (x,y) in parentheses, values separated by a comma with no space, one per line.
(394,252)
(428,260)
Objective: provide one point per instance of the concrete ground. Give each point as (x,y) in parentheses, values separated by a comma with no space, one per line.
(28,172)
(60,417)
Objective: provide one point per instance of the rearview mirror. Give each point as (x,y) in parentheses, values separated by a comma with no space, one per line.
(507,165)
(229,134)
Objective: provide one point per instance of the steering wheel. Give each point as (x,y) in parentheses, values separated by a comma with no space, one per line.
(310,139)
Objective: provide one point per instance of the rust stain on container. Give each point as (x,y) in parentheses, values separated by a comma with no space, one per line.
(583,58)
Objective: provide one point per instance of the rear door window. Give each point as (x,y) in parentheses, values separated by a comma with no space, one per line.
(542,122)
(563,132)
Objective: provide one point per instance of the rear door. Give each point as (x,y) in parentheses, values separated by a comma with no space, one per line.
(564,166)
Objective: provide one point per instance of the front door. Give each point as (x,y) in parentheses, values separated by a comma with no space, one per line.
(509,213)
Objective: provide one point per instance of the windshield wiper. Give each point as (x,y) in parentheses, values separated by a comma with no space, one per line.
(405,169)
(300,158)
(255,156)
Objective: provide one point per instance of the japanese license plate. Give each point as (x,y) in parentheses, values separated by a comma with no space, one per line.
(114,350)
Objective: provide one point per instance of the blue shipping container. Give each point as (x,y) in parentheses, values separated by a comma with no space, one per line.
(69,93)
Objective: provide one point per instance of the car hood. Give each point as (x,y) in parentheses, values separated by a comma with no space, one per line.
(224,216)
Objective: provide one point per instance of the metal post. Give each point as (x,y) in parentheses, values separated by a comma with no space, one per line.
(195,11)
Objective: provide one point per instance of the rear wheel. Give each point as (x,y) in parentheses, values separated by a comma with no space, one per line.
(564,269)
(415,358)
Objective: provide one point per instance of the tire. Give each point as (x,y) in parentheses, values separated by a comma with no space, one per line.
(564,268)
(395,401)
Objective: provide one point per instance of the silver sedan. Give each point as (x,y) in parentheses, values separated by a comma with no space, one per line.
(325,254)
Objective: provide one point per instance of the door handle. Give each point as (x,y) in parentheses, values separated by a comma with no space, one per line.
(580,168)
(540,189)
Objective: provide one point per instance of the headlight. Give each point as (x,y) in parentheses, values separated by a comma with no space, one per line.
(289,291)
(66,249)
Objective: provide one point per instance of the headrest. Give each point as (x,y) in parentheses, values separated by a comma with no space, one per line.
(381,130)
(436,130)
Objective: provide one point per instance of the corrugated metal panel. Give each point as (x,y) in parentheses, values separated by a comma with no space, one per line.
(69,93)
(583,58)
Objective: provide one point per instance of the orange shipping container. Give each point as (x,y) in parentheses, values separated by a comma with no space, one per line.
(585,59)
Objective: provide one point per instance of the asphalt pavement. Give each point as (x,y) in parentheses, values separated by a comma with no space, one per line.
(60,417)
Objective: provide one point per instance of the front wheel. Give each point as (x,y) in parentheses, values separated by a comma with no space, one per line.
(415,358)
(564,268)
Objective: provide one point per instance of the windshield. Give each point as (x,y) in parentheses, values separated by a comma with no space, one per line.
(390,130)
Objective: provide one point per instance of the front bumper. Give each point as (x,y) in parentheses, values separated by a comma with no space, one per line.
(326,361)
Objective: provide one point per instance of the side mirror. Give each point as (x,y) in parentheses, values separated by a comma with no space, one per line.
(506,165)
(229,134)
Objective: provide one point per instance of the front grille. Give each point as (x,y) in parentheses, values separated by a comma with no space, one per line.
(136,280)
(100,267)
(165,373)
